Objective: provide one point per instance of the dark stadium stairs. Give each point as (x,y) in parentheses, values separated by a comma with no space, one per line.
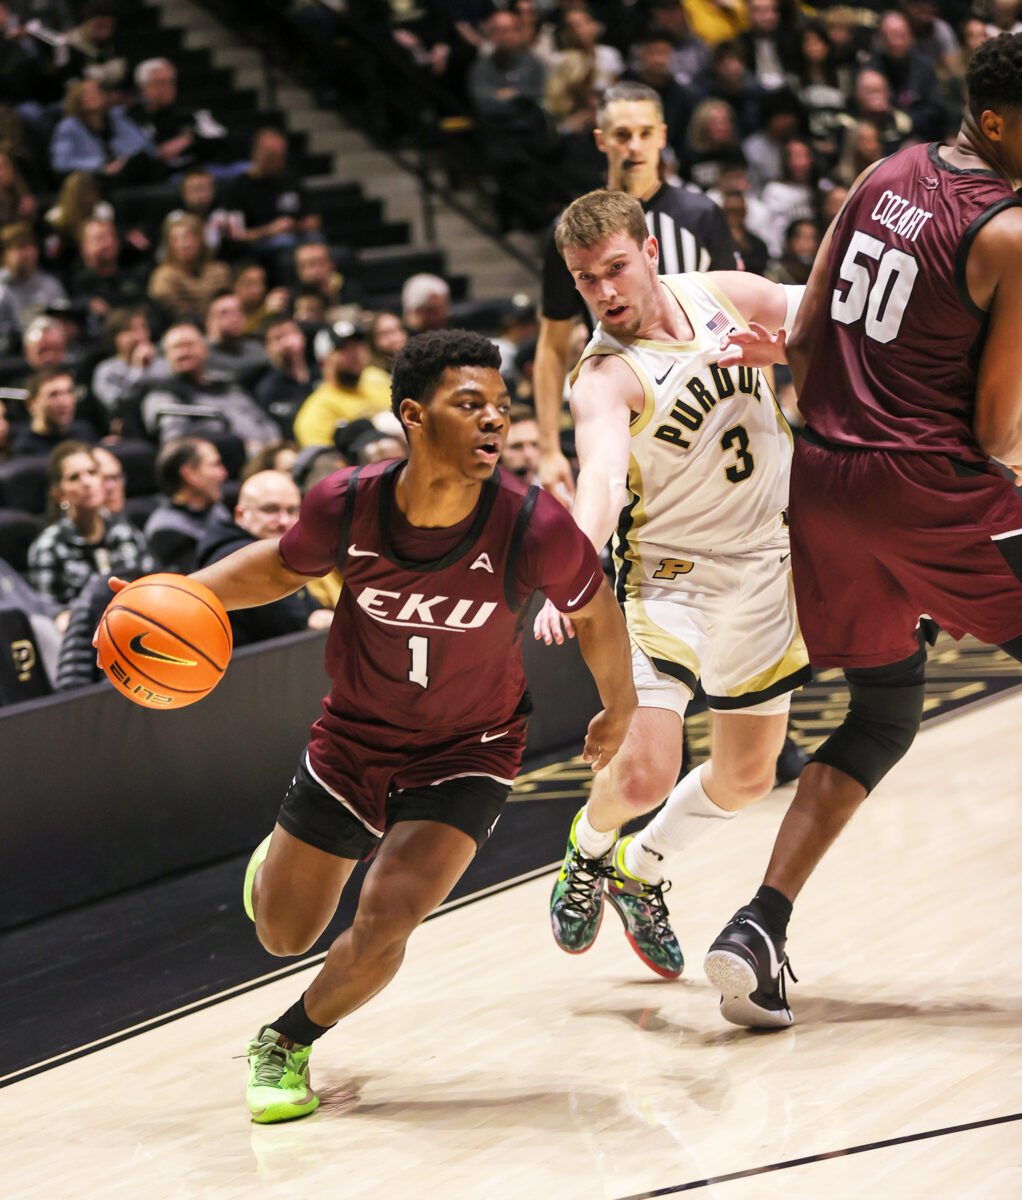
(375,254)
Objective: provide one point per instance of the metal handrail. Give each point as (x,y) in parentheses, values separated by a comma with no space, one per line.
(433,95)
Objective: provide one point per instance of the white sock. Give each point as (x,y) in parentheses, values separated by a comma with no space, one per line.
(688,816)
(593,843)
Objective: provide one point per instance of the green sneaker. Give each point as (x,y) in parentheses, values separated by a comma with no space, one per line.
(254,863)
(278,1080)
(576,903)
(640,905)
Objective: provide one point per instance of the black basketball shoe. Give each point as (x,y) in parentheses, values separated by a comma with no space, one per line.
(746,964)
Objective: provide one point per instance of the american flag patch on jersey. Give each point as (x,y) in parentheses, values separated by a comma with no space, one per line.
(719,323)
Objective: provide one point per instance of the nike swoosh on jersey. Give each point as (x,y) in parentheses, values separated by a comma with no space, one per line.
(665,374)
(582,592)
(137,647)
(356,553)
(492,737)
(785,557)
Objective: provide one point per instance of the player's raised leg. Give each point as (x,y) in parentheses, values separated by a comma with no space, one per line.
(293,891)
(643,772)
(739,772)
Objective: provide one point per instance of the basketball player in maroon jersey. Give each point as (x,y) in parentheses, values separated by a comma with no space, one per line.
(907,357)
(423,731)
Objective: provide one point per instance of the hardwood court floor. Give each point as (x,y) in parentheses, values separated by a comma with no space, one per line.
(496,1066)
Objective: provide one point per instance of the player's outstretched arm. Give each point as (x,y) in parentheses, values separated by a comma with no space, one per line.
(768,308)
(251,576)
(603,399)
(603,640)
(994,269)
(549,373)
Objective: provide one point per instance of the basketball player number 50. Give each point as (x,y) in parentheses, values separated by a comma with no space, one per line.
(883,299)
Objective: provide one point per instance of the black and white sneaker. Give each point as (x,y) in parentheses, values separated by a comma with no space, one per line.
(746,965)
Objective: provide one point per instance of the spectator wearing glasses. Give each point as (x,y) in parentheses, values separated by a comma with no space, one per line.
(268,505)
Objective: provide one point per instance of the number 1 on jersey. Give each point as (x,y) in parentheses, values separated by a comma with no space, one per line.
(418,672)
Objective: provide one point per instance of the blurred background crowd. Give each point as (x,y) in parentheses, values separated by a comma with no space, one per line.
(191,335)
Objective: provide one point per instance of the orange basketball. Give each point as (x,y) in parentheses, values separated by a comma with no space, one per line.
(164,641)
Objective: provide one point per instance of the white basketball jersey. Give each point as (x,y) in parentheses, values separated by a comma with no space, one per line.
(710,453)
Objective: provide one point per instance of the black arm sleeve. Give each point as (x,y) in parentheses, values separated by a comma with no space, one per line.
(717,238)
(560,301)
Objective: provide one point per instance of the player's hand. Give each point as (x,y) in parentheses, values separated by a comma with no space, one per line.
(606,733)
(551,625)
(556,477)
(116,585)
(753,347)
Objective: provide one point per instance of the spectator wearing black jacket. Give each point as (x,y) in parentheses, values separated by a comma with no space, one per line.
(271,203)
(911,76)
(51,404)
(267,507)
(191,477)
(284,388)
(100,278)
(181,136)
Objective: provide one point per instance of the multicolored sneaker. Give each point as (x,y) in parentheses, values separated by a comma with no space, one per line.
(576,903)
(640,905)
(278,1080)
(254,863)
(746,964)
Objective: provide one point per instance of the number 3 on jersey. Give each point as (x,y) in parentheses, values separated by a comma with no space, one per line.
(884,299)
(418,671)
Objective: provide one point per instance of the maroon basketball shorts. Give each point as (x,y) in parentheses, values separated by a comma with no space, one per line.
(880,538)
(357,780)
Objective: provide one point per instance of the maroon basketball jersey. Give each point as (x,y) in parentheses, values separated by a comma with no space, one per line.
(429,643)
(894,357)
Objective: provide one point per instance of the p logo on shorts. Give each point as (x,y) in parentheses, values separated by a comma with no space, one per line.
(671,568)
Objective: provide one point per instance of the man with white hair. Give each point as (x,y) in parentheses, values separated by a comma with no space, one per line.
(425,303)
(181,136)
(268,505)
(44,343)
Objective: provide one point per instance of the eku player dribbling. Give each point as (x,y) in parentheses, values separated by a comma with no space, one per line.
(424,728)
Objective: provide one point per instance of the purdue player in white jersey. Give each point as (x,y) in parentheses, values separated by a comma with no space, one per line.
(691,231)
(682,447)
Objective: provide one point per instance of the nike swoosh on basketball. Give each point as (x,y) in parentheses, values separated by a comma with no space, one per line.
(356,553)
(665,374)
(492,737)
(137,647)
(582,592)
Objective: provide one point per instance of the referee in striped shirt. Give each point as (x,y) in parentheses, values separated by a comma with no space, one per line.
(689,228)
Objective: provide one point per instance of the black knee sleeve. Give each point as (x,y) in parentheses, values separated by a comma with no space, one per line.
(1014,648)
(883,718)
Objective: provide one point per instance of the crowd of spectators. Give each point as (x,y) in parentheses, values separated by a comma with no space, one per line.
(180,352)
(738,79)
